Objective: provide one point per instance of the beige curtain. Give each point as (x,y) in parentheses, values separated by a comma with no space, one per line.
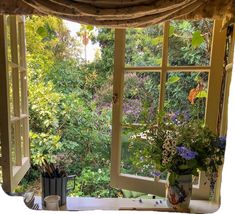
(123,13)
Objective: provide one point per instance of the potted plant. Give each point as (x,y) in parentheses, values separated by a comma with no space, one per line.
(181,147)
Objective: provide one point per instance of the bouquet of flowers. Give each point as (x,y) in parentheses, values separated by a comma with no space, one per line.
(180,145)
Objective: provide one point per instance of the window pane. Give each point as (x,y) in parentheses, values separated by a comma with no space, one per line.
(144,46)
(133,158)
(13,144)
(186,92)
(140,98)
(10,92)
(190,42)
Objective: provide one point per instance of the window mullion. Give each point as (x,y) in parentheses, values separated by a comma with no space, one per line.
(164,66)
(23,81)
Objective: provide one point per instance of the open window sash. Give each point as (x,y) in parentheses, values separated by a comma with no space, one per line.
(14,120)
(154,185)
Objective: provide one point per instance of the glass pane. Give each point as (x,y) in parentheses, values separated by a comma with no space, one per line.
(13,144)
(186,92)
(22,130)
(133,158)
(10,92)
(190,42)
(144,46)
(141,96)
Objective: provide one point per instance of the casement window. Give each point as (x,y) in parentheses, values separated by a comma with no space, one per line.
(14,125)
(14,139)
(160,70)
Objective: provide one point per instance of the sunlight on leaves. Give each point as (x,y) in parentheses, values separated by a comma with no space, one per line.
(197,39)
(173,79)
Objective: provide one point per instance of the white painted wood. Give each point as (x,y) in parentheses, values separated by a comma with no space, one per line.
(24,87)
(131,204)
(148,185)
(215,76)
(166,27)
(12,174)
(229,67)
(118,79)
(19,171)
(5,110)
(224,116)
(16,86)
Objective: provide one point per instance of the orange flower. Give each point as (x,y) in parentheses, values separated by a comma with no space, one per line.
(192,95)
(194,92)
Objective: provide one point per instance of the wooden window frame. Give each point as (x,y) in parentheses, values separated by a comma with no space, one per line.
(13,172)
(214,69)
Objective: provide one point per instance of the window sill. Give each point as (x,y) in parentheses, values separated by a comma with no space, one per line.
(83,203)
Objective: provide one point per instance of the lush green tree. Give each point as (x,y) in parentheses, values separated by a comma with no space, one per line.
(66,125)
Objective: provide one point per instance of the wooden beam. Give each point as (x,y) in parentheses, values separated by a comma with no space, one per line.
(5,110)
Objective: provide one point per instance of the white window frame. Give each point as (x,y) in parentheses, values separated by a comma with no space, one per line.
(214,69)
(13,63)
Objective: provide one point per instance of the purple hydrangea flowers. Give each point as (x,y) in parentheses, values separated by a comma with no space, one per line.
(222,142)
(186,153)
(156,174)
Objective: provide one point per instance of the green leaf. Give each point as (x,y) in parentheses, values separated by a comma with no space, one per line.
(171,30)
(42,32)
(197,39)
(173,79)
(195,172)
(202,94)
(157,40)
(159,61)
(172,178)
(89,27)
(183,166)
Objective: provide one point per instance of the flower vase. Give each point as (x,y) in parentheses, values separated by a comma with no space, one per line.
(178,195)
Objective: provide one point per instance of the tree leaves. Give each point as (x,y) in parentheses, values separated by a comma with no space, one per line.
(173,79)
(157,40)
(202,94)
(42,32)
(197,39)
(171,30)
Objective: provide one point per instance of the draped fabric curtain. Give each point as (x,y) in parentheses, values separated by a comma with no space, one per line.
(123,13)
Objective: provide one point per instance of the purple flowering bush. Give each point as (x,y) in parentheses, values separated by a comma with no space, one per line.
(182,147)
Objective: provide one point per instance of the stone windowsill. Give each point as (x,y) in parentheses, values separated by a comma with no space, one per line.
(83,203)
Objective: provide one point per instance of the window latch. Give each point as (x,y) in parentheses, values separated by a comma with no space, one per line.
(115,98)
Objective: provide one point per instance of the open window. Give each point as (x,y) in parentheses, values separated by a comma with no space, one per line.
(14,126)
(159,70)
